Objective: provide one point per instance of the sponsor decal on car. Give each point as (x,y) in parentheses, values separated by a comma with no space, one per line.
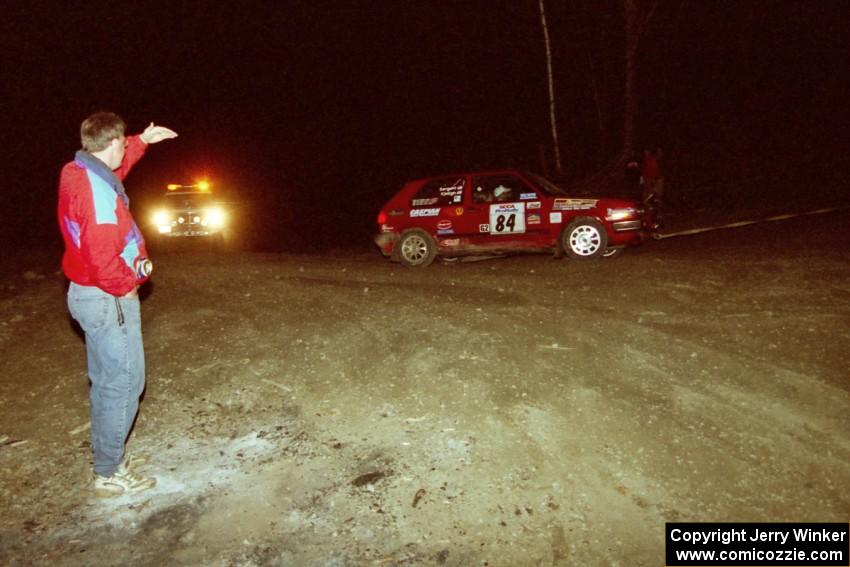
(507,218)
(573,204)
(396,213)
(555,218)
(444,224)
(527,196)
(533,219)
(533,205)
(483,228)
(425,212)
(445,232)
(453,190)
(458,211)
(450,242)
(425,202)
(387,228)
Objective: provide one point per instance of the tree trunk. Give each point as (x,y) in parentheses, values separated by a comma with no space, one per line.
(551,91)
(601,119)
(631,86)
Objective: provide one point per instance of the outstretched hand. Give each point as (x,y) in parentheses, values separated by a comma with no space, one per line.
(154,134)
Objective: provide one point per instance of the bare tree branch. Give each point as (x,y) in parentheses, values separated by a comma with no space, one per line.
(551,90)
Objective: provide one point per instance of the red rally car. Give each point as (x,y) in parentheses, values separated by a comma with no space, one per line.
(501,211)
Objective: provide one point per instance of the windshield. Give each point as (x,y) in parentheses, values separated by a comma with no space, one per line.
(547,186)
(176,201)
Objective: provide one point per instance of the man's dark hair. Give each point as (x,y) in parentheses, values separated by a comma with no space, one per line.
(99,129)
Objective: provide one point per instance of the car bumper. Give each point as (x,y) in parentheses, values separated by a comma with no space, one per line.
(625,226)
(386,242)
(187,232)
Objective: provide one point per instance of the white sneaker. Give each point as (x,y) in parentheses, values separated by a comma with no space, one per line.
(122,481)
(131,462)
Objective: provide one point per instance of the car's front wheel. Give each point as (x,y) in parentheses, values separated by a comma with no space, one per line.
(585,239)
(416,249)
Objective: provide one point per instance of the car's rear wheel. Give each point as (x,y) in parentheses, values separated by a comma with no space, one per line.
(585,239)
(416,249)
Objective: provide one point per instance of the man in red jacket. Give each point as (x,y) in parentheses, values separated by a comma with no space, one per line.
(105,260)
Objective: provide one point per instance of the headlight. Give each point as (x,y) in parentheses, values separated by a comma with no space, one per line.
(161,218)
(215,217)
(621,214)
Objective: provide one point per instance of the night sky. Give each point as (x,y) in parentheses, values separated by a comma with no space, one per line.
(312,114)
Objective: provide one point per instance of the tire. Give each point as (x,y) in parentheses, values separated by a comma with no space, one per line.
(612,252)
(584,239)
(416,249)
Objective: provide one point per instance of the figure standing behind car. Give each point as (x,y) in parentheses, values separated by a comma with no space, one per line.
(653,188)
(653,180)
(106,261)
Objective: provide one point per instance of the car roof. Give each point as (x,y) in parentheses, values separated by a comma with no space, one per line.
(503,171)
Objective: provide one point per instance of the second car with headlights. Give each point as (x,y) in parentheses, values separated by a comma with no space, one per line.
(189,210)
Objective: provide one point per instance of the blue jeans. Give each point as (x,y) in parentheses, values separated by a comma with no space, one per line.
(116,364)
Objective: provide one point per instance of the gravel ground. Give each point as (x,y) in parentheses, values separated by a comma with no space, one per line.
(342,410)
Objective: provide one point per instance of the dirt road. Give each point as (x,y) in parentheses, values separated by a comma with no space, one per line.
(319,410)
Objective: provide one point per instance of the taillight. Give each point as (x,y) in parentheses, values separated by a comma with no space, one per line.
(382,217)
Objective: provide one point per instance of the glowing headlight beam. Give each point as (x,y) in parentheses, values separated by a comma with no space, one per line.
(161,218)
(215,216)
(621,214)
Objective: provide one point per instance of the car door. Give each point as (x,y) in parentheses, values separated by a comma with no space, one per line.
(502,208)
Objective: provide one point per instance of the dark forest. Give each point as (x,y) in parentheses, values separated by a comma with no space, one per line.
(311,114)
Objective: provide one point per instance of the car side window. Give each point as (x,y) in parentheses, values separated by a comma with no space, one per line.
(500,189)
(440,193)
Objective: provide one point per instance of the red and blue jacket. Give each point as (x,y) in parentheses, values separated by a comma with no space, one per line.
(102,241)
